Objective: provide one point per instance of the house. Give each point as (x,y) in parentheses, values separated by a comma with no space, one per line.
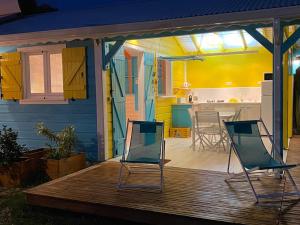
(58,66)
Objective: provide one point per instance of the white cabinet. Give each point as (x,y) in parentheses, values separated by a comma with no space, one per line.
(267,104)
(250,111)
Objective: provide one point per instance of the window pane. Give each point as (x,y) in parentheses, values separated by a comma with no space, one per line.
(56,72)
(232,39)
(36,71)
(162,77)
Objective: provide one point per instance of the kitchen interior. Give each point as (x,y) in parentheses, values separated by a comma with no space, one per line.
(225,72)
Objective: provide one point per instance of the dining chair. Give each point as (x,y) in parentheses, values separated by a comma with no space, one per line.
(208,129)
(237,115)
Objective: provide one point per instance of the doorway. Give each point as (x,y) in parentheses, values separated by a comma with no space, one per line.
(132,92)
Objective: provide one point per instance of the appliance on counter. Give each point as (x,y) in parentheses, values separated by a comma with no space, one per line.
(266,110)
(268,76)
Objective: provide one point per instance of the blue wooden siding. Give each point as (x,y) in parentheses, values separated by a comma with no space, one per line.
(118,71)
(80,113)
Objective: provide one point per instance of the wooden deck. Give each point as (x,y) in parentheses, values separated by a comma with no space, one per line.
(190,197)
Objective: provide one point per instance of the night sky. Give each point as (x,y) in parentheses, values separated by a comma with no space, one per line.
(79,4)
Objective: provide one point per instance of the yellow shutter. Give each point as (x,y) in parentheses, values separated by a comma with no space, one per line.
(11,76)
(74,73)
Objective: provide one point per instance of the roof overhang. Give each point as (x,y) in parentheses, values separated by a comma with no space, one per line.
(200,24)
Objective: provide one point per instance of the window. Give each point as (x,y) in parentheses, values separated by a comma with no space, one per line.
(131,76)
(164,83)
(43,74)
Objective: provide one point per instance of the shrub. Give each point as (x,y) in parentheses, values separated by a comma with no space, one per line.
(64,141)
(10,150)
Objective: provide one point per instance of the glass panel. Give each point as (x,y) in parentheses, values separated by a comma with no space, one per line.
(210,41)
(187,42)
(56,72)
(232,39)
(161,75)
(36,73)
(250,41)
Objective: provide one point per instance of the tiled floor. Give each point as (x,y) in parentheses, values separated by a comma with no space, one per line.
(180,154)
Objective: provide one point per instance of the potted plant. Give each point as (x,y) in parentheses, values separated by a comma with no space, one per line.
(62,158)
(15,169)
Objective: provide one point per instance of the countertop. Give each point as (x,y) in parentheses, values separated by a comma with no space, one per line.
(227,103)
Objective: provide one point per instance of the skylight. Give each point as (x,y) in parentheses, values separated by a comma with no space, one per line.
(187,43)
(250,41)
(232,39)
(226,40)
(210,41)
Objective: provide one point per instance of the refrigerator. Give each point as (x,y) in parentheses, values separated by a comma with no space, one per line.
(266,108)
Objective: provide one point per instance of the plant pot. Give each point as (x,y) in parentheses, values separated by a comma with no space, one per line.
(37,164)
(16,174)
(56,168)
(37,153)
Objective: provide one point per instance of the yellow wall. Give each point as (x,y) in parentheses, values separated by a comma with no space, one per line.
(109,115)
(164,46)
(243,70)
(287,102)
(163,112)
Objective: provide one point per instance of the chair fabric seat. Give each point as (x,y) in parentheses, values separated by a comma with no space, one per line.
(145,146)
(276,165)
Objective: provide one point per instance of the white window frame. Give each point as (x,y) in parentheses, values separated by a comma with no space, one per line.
(48,97)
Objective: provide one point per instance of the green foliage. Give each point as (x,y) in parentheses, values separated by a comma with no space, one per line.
(64,141)
(10,150)
(15,210)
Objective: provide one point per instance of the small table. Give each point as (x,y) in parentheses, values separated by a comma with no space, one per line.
(226,115)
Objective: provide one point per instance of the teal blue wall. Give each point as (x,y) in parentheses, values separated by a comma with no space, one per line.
(80,113)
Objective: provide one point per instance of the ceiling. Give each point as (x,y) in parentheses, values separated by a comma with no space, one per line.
(221,41)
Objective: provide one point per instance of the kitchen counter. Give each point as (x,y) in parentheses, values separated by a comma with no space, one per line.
(181,117)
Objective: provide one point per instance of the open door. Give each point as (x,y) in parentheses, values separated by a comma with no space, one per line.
(118,73)
(149,86)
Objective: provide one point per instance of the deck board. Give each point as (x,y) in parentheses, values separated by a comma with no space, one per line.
(190,196)
(290,212)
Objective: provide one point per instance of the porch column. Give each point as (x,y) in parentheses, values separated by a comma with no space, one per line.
(278,86)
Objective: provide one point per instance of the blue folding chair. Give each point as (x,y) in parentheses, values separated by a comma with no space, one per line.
(246,141)
(145,153)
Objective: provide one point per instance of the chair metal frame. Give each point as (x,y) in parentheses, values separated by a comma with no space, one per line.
(248,172)
(211,131)
(141,167)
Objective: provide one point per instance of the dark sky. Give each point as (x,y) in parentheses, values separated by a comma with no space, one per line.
(79,4)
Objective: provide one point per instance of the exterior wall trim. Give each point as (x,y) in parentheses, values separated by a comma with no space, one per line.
(99,100)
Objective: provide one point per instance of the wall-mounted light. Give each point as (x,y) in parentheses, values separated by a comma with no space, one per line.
(296,61)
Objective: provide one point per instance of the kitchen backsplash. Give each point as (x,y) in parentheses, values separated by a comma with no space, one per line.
(236,94)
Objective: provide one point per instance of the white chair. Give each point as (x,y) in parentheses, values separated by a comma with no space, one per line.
(208,129)
(237,115)
(192,117)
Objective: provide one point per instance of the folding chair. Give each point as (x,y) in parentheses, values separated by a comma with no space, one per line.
(208,129)
(145,153)
(246,141)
